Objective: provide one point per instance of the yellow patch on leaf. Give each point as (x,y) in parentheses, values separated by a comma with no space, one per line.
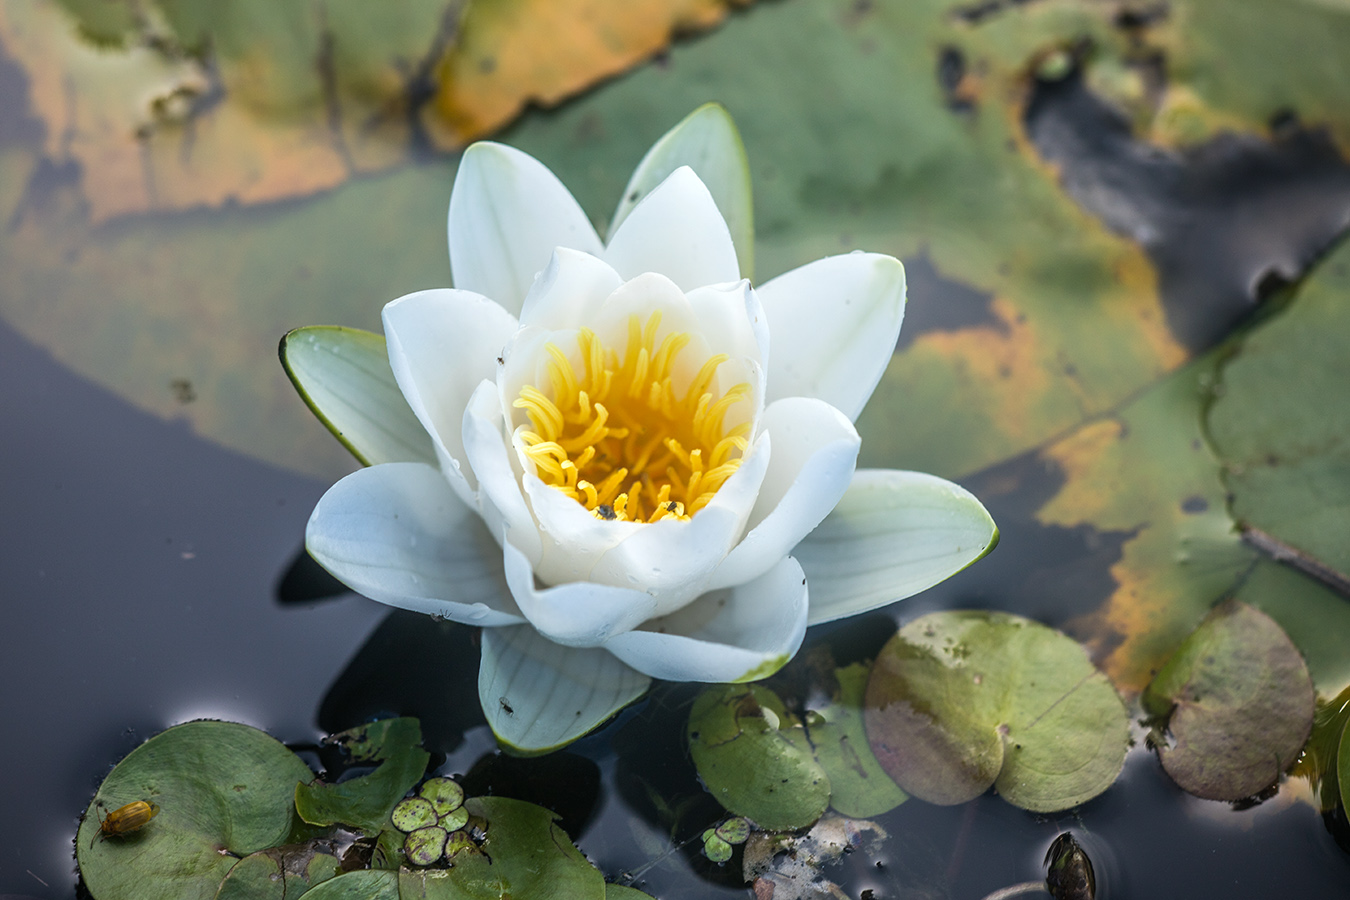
(513,52)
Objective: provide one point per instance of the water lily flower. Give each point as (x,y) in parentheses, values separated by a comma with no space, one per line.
(619,457)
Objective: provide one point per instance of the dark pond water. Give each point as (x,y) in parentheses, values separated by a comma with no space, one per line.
(150,578)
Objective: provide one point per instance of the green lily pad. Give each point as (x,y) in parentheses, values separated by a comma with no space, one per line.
(278,873)
(754,760)
(371,884)
(220,787)
(1280,427)
(859,786)
(623,892)
(962,701)
(716,848)
(367,801)
(1238,703)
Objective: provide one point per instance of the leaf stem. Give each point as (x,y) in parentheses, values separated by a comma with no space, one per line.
(1292,556)
(1016,890)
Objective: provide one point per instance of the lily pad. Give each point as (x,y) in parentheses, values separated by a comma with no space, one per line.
(623,892)
(367,801)
(220,787)
(278,873)
(754,760)
(371,884)
(1238,703)
(859,787)
(962,701)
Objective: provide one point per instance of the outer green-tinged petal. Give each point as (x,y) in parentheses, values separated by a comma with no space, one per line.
(707,142)
(894,534)
(507,214)
(442,344)
(398,534)
(538,695)
(343,375)
(677,232)
(834,324)
(742,634)
(815,451)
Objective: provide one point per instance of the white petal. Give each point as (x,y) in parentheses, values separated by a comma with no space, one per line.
(568,291)
(815,448)
(442,344)
(500,500)
(672,559)
(707,141)
(732,317)
(398,534)
(676,231)
(894,534)
(508,213)
(742,634)
(578,614)
(343,375)
(573,538)
(834,324)
(538,696)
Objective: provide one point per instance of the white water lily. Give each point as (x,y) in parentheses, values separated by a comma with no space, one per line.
(639,466)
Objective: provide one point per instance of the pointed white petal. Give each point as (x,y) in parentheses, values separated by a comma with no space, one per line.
(577,614)
(892,535)
(671,559)
(707,142)
(678,232)
(568,291)
(398,534)
(500,500)
(742,634)
(442,343)
(539,696)
(815,448)
(834,324)
(343,375)
(507,214)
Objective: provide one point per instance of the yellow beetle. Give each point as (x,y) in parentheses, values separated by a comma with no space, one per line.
(125,819)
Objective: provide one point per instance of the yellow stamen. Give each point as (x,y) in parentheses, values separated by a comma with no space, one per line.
(615,436)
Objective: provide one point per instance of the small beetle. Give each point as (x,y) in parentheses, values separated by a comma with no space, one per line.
(125,819)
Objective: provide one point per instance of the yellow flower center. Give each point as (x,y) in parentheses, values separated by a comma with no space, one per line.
(617,439)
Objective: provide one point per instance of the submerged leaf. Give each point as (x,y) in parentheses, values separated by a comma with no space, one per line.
(1238,703)
(962,701)
(859,787)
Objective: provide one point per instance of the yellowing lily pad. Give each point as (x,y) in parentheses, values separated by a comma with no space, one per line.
(219,786)
(754,760)
(962,701)
(1237,702)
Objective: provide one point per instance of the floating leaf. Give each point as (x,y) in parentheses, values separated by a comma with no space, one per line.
(371,884)
(753,760)
(715,848)
(425,846)
(961,701)
(444,794)
(412,814)
(622,892)
(367,801)
(1238,703)
(1321,755)
(1279,426)
(859,787)
(278,873)
(219,786)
